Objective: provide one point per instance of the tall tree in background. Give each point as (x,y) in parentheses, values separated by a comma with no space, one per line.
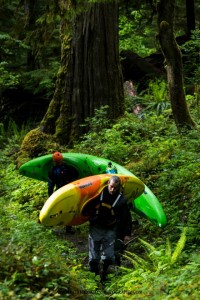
(190,13)
(173,63)
(90,74)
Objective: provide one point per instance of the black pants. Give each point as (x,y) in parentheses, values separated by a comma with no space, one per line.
(101,246)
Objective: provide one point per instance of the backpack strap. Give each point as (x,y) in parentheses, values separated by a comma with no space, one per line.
(117,199)
(98,205)
(101,197)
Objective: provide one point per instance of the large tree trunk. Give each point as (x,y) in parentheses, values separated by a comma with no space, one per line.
(90,74)
(173,64)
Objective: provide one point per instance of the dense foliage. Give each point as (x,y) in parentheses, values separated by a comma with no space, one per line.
(161,263)
(36,263)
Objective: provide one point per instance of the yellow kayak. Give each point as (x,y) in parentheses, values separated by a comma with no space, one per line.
(66,205)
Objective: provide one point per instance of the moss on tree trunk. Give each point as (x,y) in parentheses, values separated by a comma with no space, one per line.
(173,64)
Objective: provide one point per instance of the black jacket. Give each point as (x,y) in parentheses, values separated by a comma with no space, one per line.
(121,213)
(58,176)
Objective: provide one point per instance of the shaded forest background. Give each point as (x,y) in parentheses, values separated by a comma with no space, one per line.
(31,36)
(43,263)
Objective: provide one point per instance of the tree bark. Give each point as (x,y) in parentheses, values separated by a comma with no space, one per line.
(30,6)
(90,74)
(190,13)
(173,64)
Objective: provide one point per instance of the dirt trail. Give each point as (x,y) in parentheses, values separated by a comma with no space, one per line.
(78,239)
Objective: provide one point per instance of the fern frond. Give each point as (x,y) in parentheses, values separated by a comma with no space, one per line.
(136,260)
(179,247)
(148,246)
(152,252)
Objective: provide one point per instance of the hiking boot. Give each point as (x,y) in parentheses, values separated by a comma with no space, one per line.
(105,265)
(103,277)
(94,267)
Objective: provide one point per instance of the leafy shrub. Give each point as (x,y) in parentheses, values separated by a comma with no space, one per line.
(138,43)
(190,51)
(155,98)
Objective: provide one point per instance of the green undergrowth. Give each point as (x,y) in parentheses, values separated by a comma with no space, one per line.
(162,263)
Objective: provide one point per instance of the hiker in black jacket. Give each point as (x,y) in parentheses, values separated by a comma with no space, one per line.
(110,216)
(58,176)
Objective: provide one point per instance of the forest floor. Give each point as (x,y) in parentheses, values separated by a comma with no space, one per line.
(78,240)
